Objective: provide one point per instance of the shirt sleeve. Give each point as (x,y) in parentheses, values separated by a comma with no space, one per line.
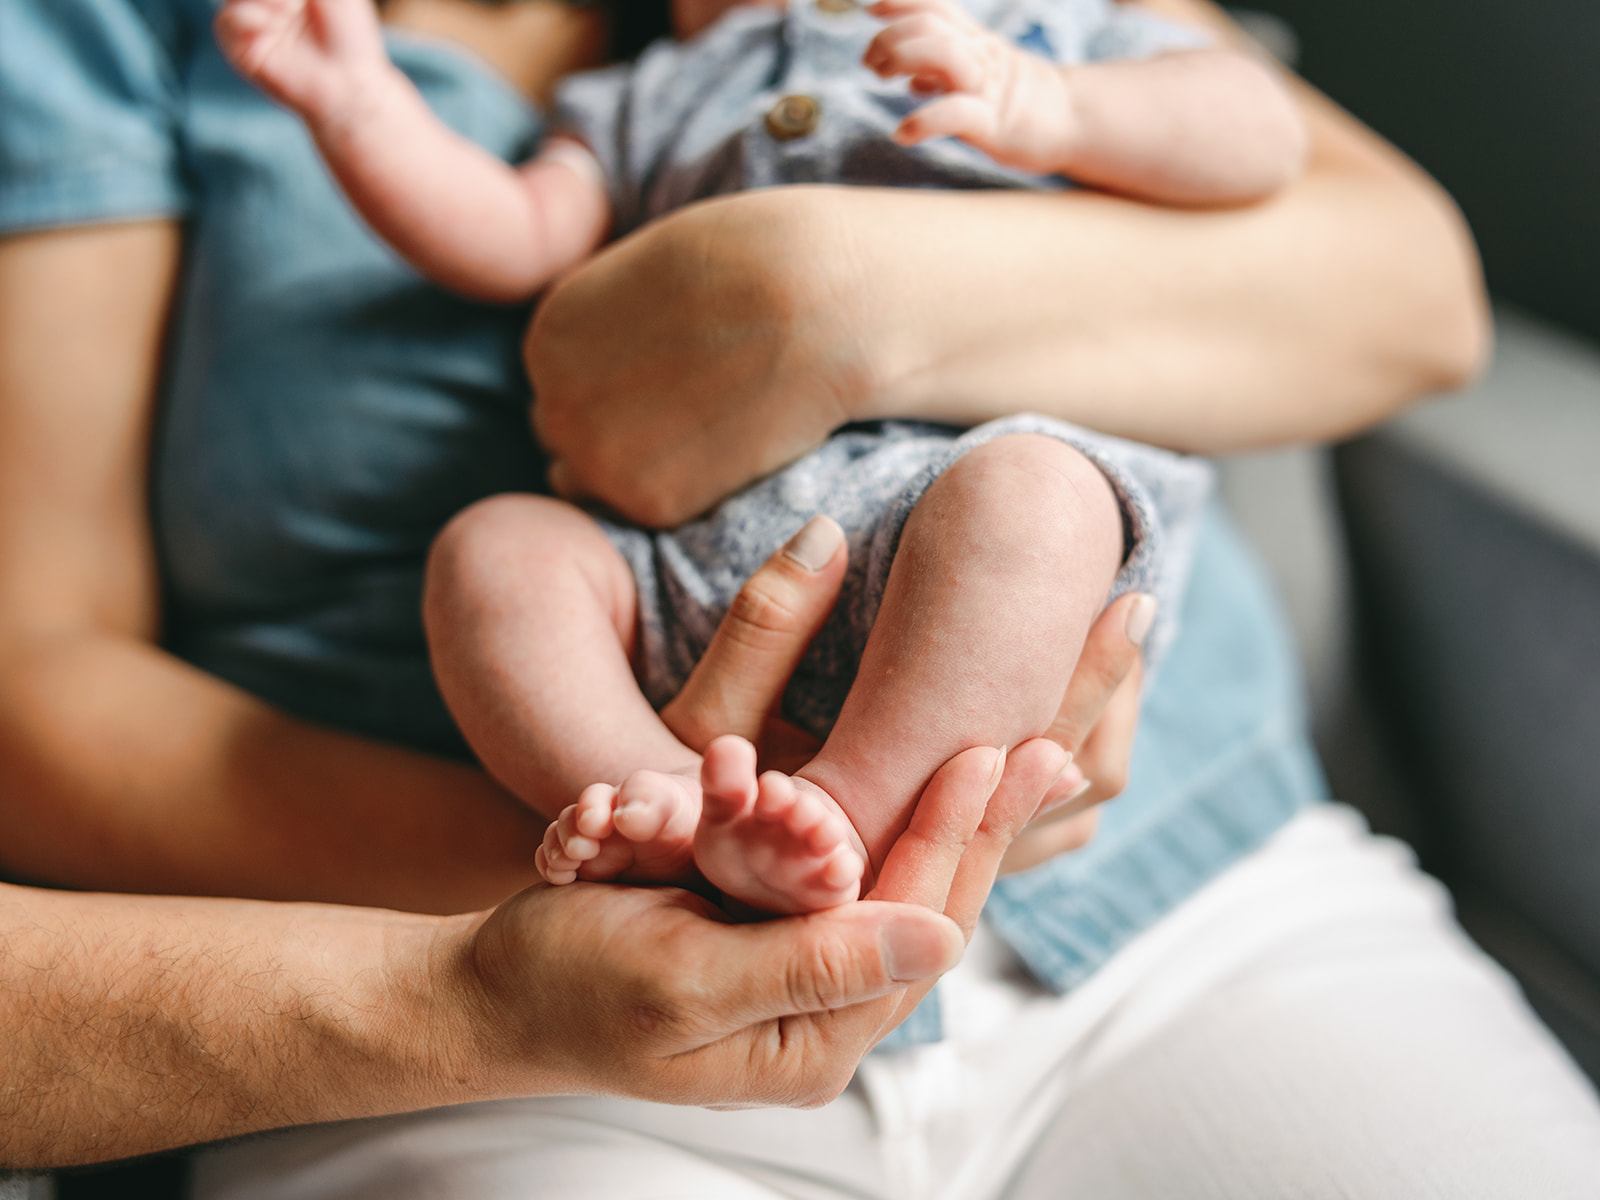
(1135,32)
(89,109)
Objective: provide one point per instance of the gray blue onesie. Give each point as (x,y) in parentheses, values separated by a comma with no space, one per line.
(766,97)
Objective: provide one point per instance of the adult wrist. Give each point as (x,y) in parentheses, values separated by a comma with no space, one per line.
(865,317)
(819,253)
(439,1021)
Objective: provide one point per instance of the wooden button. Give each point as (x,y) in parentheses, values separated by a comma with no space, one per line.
(837,6)
(793,117)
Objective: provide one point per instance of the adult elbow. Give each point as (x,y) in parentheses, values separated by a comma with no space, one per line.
(1455,339)
(1437,330)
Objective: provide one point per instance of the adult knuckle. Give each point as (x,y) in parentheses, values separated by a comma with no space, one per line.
(759,610)
(1111,779)
(659,1011)
(669,1008)
(824,1091)
(821,977)
(801,1071)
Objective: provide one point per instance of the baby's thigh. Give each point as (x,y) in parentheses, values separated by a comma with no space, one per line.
(516,552)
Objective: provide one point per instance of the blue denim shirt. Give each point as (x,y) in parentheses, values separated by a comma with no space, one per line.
(325,411)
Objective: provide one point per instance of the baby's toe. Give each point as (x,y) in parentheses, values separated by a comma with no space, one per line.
(645,803)
(728,779)
(825,834)
(573,843)
(642,818)
(552,867)
(842,869)
(806,818)
(593,818)
(776,797)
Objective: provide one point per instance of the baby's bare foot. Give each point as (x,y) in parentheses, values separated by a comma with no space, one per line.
(776,843)
(642,831)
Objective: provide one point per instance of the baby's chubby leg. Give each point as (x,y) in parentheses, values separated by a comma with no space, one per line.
(530,615)
(1001,569)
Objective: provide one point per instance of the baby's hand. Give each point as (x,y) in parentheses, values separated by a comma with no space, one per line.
(1009,103)
(312,55)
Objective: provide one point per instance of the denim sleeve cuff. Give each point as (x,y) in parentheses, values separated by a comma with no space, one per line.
(88,196)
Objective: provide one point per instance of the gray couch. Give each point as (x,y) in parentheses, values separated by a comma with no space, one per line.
(1444,571)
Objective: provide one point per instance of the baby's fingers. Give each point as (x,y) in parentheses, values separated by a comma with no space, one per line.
(937,56)
(249,30)
(965,117)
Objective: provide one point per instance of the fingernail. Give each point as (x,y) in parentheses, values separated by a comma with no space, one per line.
(816,543)
(1078,791)
(1050,801)
(996,774)
(913,949)
(1140,618)
(1069,761)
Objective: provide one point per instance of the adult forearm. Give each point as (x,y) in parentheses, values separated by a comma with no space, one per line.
(125,769)
(1328,307)
(133,1024)
(763,321)
(1226,332)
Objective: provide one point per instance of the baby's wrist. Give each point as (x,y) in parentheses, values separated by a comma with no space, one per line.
(1060,131)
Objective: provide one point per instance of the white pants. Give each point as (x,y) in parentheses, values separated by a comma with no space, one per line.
(1312,1024)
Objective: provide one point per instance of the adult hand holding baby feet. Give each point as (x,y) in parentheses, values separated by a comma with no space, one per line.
(312,55)
(1013,105)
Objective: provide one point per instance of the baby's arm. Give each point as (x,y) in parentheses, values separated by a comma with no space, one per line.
(1195,127)
(456,212)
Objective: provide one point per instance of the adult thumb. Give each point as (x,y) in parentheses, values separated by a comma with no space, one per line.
(742,674)
(837,958)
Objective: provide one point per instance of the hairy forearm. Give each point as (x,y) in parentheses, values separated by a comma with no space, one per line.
(131,1024)
(123,768)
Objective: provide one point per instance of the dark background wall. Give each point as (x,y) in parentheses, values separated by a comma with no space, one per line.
(1500,100)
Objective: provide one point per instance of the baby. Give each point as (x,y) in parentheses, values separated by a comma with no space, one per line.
(977,561)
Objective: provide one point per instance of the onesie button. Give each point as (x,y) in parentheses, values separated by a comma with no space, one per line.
(837,6)
(793,117)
